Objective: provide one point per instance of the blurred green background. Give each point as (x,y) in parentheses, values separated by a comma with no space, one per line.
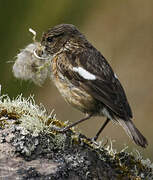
(121,30)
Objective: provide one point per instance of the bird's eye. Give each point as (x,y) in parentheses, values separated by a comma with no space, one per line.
(50,39)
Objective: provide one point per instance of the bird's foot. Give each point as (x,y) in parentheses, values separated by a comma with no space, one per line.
(59,129)
(94,139)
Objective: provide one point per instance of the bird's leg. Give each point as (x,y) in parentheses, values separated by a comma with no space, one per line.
(101,129)
(75,123)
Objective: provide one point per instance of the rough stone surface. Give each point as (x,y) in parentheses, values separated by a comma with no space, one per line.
(60,156)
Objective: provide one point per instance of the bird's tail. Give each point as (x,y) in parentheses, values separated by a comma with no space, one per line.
(133,132)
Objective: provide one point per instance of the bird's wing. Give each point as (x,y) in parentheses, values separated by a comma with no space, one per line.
(90,71)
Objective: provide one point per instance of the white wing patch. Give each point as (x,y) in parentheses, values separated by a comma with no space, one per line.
(84,73)
(115,76)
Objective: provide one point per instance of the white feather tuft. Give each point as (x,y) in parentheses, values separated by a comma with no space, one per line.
(105,112)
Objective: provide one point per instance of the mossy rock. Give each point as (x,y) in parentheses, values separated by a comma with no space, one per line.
(30,148)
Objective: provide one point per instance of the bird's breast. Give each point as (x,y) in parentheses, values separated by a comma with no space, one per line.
(74,95)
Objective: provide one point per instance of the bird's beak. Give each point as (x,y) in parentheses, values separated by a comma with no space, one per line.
(41,53)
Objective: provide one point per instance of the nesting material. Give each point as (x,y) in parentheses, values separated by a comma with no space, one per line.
(31,63)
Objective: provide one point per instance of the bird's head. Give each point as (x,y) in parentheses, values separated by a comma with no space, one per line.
(61,36)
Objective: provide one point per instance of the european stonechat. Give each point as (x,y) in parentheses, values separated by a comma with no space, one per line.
(86,80)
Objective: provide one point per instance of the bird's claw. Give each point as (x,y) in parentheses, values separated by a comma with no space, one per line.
(59,129)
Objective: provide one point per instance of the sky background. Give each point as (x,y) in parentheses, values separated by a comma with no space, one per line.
(121,30)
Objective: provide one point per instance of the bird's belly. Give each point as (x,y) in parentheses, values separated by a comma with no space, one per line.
(75,96)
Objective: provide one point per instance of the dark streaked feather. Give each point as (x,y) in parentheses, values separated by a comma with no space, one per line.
(106,88)
(133,132)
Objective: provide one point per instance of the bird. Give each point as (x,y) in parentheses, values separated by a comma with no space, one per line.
(86,80)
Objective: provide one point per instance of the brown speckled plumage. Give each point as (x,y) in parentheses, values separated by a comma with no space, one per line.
(86,80)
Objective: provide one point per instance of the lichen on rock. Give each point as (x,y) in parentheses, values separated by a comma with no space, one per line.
(30,148)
